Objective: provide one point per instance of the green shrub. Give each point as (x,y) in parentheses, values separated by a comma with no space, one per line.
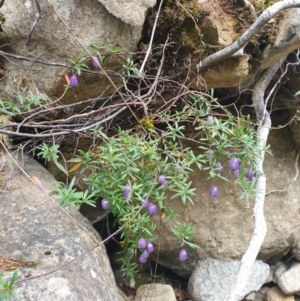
(150,164)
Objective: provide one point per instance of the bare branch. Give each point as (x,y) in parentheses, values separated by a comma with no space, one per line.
(251,7)
(151,39)
(264,18)
(260,227)
(259,92)
(24,58)
(60,132)
(35,22)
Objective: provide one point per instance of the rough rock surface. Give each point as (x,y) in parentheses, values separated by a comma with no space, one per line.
(271,274)
(255,296)
(296,248)
(275,294)
(212,279)
(218,29)
(129,11)
(69,266)
(289,282)
(280,267)
(239,71)
(155,292)
(223,225)
(243,67)
(51,42)
(287,40)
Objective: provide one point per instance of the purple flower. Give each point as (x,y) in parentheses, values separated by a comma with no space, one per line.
(182,255)
(219,167)
(161,179)
(126,191)
(73,81)
(150,247)
(131,252)
(105,204)
(145,204)
(95,62)
(234,164)
(210,154)
(146,254)
(250,174)
(213,191)
(142,243)
(165,184)
(152,209)
(236,173)
(209,120)
(142,259)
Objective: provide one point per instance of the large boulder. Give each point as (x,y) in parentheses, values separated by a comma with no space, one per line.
(130,11)
(59,254)
(282,39)
(275,294)
(289,282)
(223,225)
(212,279)
(52,42)
(155,292)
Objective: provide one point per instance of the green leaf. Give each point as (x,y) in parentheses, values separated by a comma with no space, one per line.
(6,112)
(60,167)
(14,278)
(132,282)
(1,281)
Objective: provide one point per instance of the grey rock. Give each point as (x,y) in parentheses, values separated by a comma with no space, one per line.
(271,274)
(155,292)
(255,296)
(287,40)
(296,249)
(69,265)
(216,32)
(129,11)
(51,42)
(16,255)
(93,214)
(289,282)
(280,268)
(275,294)
(262,292)
(212,279)
(250,297)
